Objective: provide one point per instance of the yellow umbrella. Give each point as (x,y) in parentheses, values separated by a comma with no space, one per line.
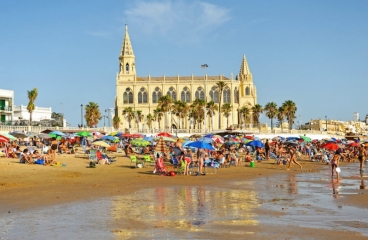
(101,143)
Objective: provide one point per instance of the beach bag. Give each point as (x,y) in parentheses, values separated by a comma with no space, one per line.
(92,165)
(40,161)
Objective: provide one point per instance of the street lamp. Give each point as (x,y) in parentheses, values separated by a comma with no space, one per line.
(326,122)
(63,114)
(81,115)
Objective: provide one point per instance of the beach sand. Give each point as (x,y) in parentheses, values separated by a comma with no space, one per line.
(27,187)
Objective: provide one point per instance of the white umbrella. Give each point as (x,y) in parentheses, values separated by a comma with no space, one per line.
(101,143)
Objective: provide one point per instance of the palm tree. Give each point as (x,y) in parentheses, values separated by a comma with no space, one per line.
(58,118)
(116,122)
(93,114)
(157,113)
(128,112)
(139,117)
(211,109)
(165,103)
(281,115)
(226,110)
(290,110)
(177,108)
(257,110)
(220,88)
(271,111)
(244,113)
(197,111)
(150,118)
(32,95)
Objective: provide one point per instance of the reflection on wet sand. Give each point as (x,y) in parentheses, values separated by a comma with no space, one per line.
(163,212)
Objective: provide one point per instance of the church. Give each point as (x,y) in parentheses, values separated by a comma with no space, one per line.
(143,94)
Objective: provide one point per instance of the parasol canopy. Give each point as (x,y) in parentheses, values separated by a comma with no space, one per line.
(161,146)
(101,143)
(199,144)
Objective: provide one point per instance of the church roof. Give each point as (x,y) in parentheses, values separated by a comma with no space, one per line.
(126,49)
(182,78)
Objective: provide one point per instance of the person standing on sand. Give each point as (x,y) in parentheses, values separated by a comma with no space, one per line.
(361,156)
(291,151)
(335,164)
(267,149)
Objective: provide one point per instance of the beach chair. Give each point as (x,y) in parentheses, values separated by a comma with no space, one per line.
(133,159)
(92,155)
(147,159)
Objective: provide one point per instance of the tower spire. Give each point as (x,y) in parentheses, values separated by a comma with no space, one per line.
(244,68)
(127,58)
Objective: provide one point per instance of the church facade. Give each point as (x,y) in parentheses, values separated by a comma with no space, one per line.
(143,93)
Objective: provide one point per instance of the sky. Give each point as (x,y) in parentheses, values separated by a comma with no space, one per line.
(311,52)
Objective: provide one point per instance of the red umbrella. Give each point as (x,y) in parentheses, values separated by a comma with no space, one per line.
(4,139)
(249,137)
(136,135)
(354,144)
(125,135)
(164,134)
(331,146)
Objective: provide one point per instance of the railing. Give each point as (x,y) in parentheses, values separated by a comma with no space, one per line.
(6,108)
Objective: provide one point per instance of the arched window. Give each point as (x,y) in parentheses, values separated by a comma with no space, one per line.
(172,93)
(127,67)
(128,96)
(226,95)
(156,95)
(185,95)
(142,96)
(247,91)
(199,94)
(236,95)
(214,94)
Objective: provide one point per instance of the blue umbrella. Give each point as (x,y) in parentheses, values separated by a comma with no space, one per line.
(110,138)
(205,139)
(57,133)
(199,144)
(148,139)
(208,135)
(255,143)
(292,138)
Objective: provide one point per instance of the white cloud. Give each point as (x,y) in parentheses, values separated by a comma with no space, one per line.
(184,20)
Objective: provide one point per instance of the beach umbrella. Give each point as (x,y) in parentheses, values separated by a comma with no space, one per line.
(58,133)
(292,138)
(55,136)
(231,142)
(255,143)
(113,133)
(354,144)
(148,139)
(164,134)
(245,140)
(330,146)
(18,134)
(140,142)
(205,139)
(109,138)
(8,136)
(209,135)
(187,142)
(200,144)
(125,135)
(44,136)
(136,135)
(161,146)
(306,139)
(4,139)
(83,134)
(249,137)
(168,139)
(101,143)
(291,143)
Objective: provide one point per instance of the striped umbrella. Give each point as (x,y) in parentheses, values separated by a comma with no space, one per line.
(4,139)
(161,146)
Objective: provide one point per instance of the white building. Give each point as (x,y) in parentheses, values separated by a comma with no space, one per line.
(38,114)
(6,105)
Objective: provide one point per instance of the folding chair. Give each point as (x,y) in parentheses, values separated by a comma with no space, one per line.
(133,159)
(147,159)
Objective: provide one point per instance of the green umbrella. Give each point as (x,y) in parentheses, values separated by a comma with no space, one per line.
(306,139)
(140,142)
(84,134)
(55,136)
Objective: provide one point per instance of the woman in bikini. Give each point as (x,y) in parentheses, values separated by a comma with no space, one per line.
(335,164)
(54,147)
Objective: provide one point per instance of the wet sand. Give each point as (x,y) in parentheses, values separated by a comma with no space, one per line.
(115,201)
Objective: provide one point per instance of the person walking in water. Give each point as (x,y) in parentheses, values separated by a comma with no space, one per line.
(291,151)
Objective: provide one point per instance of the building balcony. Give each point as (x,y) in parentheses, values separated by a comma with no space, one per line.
(6,108)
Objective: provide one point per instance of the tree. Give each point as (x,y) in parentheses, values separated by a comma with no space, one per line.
(176,109)
(128,112)
(139,117)
(271,111)
(220,88)
(32,95)
(244,113)
(165,103)
(58,118)
(226,110)
(197,111)
(281,115)
(149,119)
(211,110)
(116,122)
(157,113)
(257,110)
(93,114)
(290,110)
